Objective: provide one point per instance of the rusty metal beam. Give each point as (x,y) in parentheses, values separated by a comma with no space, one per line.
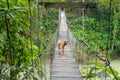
(69,4)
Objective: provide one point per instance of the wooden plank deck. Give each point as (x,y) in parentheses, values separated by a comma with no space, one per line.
(64,67)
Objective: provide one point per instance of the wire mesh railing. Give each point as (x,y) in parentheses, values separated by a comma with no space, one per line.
(42,64)
(92,65)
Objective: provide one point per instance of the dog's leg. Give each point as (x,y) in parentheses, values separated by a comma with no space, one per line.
(62,50)
(59,48)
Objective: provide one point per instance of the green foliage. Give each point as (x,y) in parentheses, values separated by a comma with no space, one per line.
(101,32)
(99,71)
(40,74)
(103,74)
(93,33)
(28,35)
(90,73)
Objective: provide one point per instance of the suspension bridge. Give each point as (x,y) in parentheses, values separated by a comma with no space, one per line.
(78,58)
(78,61)
(64,66)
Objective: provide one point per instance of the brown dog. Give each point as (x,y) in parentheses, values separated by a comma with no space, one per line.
(61,45)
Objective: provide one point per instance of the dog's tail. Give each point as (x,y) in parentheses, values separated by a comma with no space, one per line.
(59,44)
(59,41)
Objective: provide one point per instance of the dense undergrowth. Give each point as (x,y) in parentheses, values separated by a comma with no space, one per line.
(25,31)
(100,30)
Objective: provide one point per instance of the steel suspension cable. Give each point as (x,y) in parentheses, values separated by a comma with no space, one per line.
(44,57)
(96,57)
(108,41)
(107,63)
(40,56)
(83,19)
(30,29)
(83,25)
(87,50)
(41,64)
(38,38)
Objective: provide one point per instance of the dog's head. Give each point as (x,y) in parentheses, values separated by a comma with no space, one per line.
(66,42)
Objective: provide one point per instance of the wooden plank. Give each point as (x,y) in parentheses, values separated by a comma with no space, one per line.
(65,78)
(69,4)
(64,66)
(68,76)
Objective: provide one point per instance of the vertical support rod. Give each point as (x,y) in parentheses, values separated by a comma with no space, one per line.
(30,29)
(83,19)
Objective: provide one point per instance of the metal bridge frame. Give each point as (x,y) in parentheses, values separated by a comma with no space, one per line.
(69,4)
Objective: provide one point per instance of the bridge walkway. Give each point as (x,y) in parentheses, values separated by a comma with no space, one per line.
(64,66)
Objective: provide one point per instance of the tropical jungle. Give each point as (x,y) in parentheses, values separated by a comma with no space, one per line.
(28,34)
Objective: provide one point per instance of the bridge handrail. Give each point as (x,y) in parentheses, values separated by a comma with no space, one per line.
(52,44)
(74,39)
(31,69)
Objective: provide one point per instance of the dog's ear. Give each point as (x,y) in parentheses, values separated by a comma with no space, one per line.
(67,41)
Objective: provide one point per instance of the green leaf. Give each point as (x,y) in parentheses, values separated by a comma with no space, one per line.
(40,74)
(100,65)
(103,74)
(91,75)
(35,78)
(11,15)
(4,77)
(2,58)
(110,72)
